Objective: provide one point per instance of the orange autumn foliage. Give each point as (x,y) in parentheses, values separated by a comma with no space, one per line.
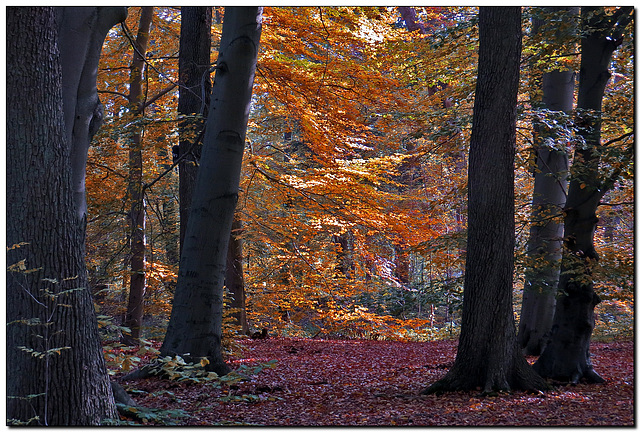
(354,174)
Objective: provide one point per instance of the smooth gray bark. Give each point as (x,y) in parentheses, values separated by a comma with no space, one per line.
(195,326)
(567,356)
(56,373)
(549,195)
(81,33)
(488,356)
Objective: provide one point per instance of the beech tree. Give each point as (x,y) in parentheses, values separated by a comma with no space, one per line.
(544,248)
(135,187)
(567,355)
(234,277)
(81,33)
(488,356)
(193,101)
(195,326)
(56,372)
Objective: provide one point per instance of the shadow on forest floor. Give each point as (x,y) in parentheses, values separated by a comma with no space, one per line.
(377,383)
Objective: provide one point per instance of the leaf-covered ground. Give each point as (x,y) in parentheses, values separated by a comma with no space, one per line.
(329,383)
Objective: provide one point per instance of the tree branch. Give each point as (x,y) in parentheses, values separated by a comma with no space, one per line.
(175,163)
(159,95)
(620,138)
(113,93)
(617,204)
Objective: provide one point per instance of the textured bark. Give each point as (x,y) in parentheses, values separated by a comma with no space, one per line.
(195,326)
(567,357)
(488,356)
(135,192)
(549,196)
(49,309)
(193,98)
(234,277)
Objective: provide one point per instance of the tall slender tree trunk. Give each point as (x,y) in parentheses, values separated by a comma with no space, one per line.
(549,196)
(567,356)
(135,306)
(56,373)
(195,326)
(345,265)
(234,276)
(193,98)
(488,356)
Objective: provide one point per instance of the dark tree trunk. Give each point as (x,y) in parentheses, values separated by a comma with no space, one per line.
(234,276)
(135,306)
(409,16)
(549,196)
(170,211)
(567,357)
(193,98)
(488,356)
(56,373)
(401,261)
(195,326)
(345,265)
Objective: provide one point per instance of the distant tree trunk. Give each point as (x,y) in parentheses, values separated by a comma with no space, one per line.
(409,16)
(56,373)
(135,306)
(567,356)
(172,230)
(195,326)
(549,196)
(345,265)
(234,276)
(488,356)
(401,261)
(193,98)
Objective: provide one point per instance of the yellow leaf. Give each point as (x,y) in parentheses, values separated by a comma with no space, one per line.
(126,364)
(204,361)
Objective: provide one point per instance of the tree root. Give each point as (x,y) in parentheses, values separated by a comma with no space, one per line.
(121,396)
(141,373)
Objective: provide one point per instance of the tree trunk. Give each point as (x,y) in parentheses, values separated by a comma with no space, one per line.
(234,276)
(170,211)
(401,261)
(567,357)
(193,98)
(345,265)
(488,356)
(549,196)
(135,306)
(195,326)
(409,16)
(81,33)
(56,373)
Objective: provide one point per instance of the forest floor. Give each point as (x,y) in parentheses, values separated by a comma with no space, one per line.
(377,383)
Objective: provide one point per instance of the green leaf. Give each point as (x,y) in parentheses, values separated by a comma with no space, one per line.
(29,322)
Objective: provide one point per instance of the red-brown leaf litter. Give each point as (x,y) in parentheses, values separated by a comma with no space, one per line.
(378,383)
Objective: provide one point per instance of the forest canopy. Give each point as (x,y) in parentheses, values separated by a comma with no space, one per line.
(184,182)
(352,202)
